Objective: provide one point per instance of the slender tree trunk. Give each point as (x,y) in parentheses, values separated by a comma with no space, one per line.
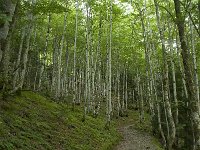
(126,91)
(79,86)
(42,75)
(98,65)
(133,96)
(181,70)
(165,113)
(75,47)
(58,89)
(123,91)
(158,111)
(25,57)
(87,73)
(160,125)
(147,60)
(196,78)
(54,71)
(65,88)
(37,59)
(173,76)
(16,72)
(172,134)
(109,69)
(118,91)
(141,109)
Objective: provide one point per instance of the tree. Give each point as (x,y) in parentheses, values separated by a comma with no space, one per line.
(192,99)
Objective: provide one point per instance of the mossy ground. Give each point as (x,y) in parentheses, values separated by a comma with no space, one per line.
(31,121)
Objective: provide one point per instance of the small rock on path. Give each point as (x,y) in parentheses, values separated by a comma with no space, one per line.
(135,140)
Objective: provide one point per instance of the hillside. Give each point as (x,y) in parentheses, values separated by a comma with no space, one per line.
(31,121)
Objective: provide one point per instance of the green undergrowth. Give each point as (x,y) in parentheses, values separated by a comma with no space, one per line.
(133,119)
(31,121)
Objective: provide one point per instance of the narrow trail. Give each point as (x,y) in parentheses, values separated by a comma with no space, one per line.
(135,140)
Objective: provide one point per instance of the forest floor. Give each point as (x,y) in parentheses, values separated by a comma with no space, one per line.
(136,135)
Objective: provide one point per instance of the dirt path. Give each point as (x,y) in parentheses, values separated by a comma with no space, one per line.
(135,140)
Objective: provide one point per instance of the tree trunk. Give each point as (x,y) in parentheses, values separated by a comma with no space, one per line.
(109,84)
(58,89)
(172,134)
(42,76)
(65,76)
(118,91)
(16,73)
(54,60)
(196,79)
(141,109)
(193,101)
(87,73)
(126,91)
(75,46)
(173,75)
(25,56)
(8,8)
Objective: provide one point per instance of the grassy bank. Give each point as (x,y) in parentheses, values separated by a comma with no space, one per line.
(31,121)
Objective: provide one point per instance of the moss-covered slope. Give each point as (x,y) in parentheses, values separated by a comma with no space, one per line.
(31,121)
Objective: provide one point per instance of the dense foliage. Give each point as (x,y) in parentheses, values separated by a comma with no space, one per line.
(130,54)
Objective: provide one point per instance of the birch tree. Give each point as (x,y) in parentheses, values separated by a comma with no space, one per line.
(109,73)
(171,137)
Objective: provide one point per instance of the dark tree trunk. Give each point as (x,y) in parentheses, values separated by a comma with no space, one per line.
(192,99)
(7,8)
(199,13)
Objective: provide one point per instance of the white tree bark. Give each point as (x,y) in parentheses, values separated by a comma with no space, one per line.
(16,73)
(42,75)
(109,84)
(171,137)
(54,71)
(123,92)
(196,78)
(58,89)
(87,73)
(126,90)
(173,75)
(181,68)
(25,56)
(75,47)
(141,109)
(118,90)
